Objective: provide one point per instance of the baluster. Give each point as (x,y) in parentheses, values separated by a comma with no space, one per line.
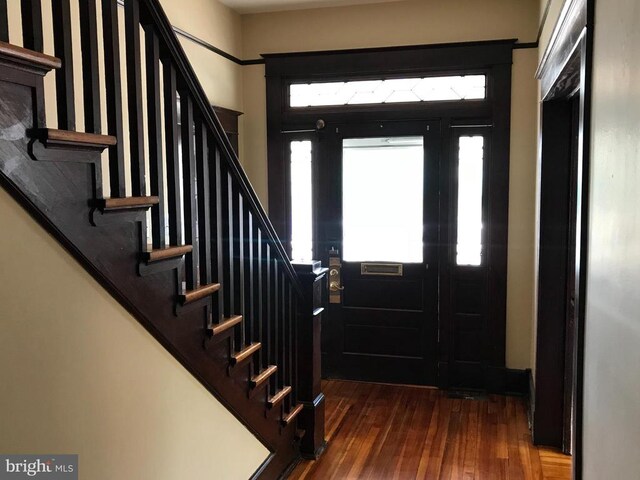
(205,218)
(291,379)
(258,293)
(154,112)
(114,95)
(228,254)
(295,382)
(275,321)
(31,11)
(171,153)
(283,334)
(248,277)
(134,96)
(218,306)
(4,22)
(189,188)
(266,304)
(90,69)
(238,264)
(61,12)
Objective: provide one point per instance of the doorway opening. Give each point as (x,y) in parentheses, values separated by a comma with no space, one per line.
(398,161)
(565,78)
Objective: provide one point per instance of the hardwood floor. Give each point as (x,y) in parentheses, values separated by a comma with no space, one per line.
(401,432)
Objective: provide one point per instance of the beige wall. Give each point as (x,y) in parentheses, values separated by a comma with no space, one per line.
(612,343)
(79,375)
(220,26)
(407,23)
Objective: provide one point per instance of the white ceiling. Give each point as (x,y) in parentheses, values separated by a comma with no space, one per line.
(258,6)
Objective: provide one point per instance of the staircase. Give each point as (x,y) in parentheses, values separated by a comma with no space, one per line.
(176,234)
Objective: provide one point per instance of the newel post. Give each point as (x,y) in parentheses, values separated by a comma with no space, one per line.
(312,277)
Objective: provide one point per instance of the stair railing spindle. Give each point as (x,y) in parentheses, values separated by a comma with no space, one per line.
(189,189)
(248,278)
(205,218)
(114,95)
(238,260)
(227,252)
(267,299)
(90,68)
(61,11)
(4,22)
(274,359)
(154,117)
(134,96)
(31,11)
(259,291)
(218,234)
(172,154)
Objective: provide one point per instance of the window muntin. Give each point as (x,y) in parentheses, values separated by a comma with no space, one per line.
(398,90)
(469,221)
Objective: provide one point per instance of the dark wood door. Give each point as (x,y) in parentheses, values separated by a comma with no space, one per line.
(378,230)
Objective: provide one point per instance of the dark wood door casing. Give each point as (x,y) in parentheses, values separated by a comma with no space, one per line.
(565,74)
(494,59)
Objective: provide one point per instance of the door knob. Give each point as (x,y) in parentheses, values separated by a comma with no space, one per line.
(335,287)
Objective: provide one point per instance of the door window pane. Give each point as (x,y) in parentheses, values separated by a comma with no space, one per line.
(382,199)
(428,89)
(470,165)
(301,206)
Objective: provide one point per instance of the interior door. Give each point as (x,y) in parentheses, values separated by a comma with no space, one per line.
(378,232)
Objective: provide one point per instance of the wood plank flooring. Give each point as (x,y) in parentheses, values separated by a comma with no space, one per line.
(402,432)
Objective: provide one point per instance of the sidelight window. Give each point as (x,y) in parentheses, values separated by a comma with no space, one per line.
(301,201)
(470,167)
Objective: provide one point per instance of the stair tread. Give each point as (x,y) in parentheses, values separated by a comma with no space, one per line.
(245,353)
(198,293)
(127,203)
(278,396)
(71,139)
(291,415)
(257,380)
(225,325)
(38,61)
(165,253)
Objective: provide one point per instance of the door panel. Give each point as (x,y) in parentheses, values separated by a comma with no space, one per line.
(380,221)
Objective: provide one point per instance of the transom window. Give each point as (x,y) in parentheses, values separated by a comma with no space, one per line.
(398,90)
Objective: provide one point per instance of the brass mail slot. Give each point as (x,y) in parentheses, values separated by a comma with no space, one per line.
(387,269)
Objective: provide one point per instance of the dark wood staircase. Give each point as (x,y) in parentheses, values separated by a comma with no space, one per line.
(180,239)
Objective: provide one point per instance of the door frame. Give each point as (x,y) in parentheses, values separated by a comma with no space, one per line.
(494,58)
(565,73)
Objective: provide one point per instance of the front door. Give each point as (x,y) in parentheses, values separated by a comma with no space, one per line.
(378,232)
